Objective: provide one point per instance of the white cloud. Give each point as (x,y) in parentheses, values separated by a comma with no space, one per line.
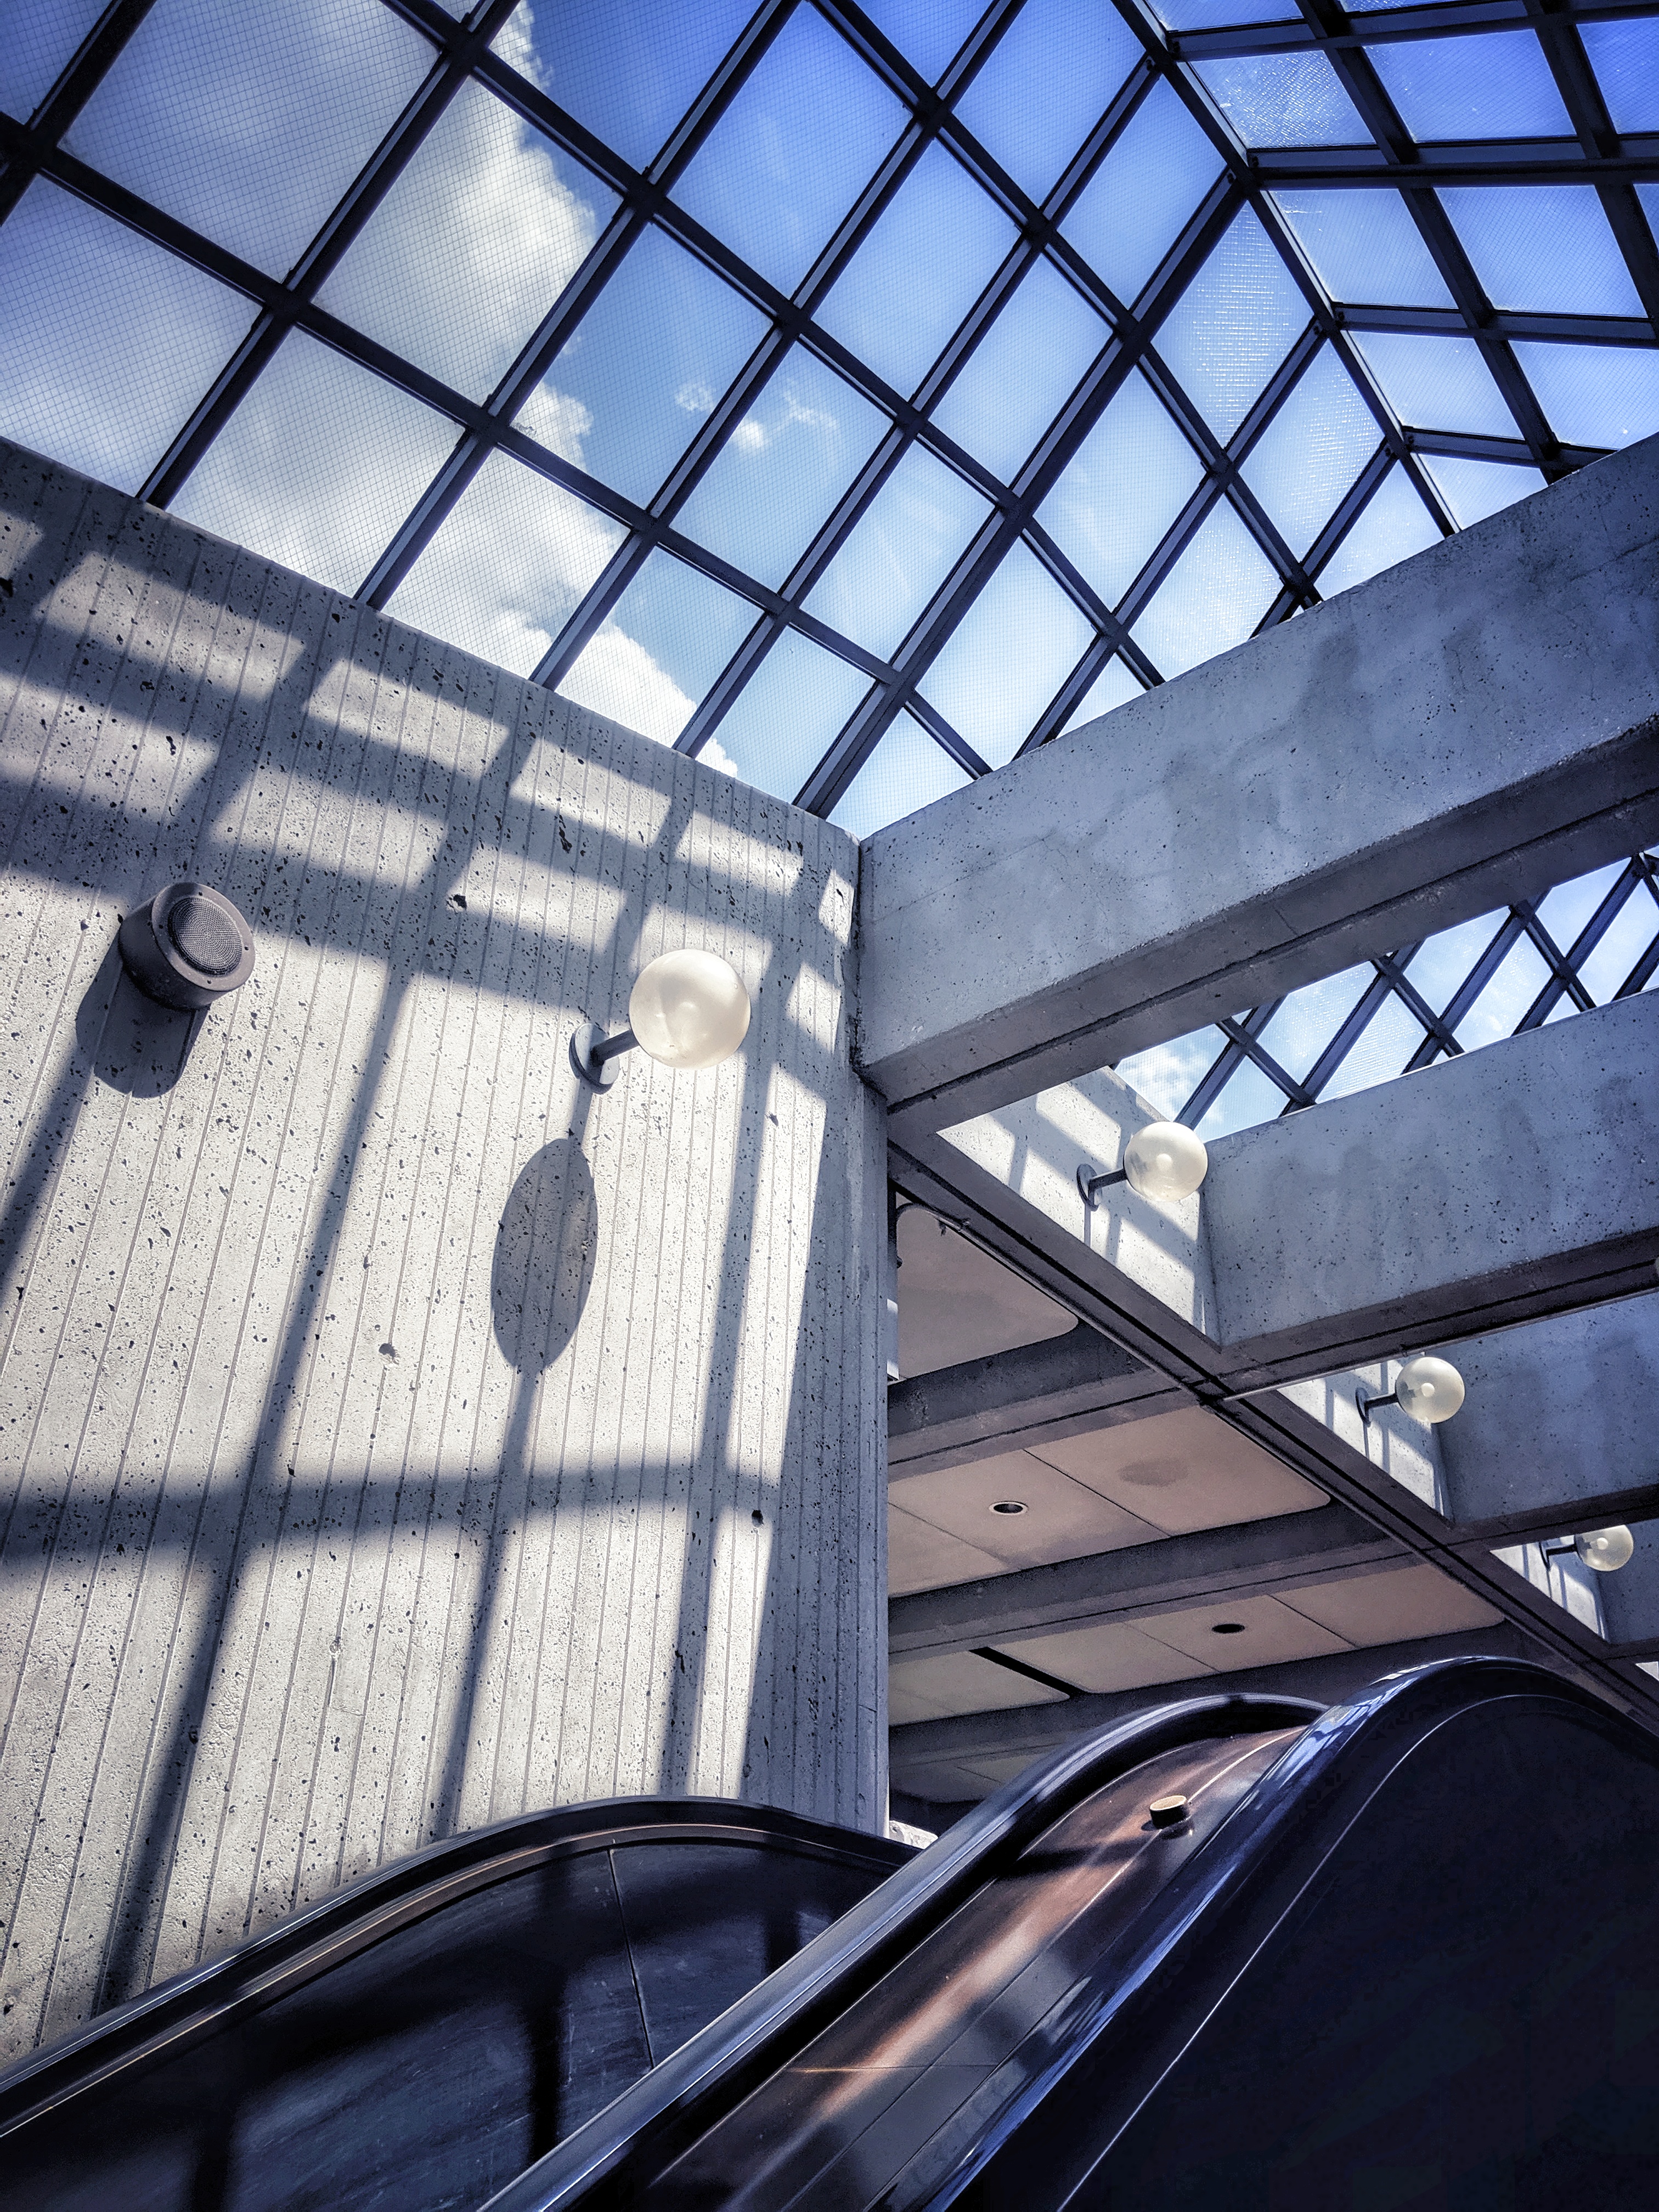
(752,436)
(515,42)
(694,397)
(555,420)
(715,755)
(617,677)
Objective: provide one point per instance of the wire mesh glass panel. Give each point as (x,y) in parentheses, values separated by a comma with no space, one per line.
(1625,59)
(786,715)
(801,140)
(929,32)
(1114,686)
(1236,322)
(1308,1019)
(1220,15)
(906,772)
(1166,1075)
(1048,79)
(1475,489)
(1384,1048)
(1023,371)
(471,246)
(645,367)
(249,123)
(667,638)
(1213,597)
(1604,970)
(1394,525)
(1436,383)
(1284,100)
(1136,203)
(935,248)
(1312,450)
(40,42)
(1564,910)
(1495,86)
(803,440)
(1497,1011)
(1595,395)
(1546,246)
(1249,1098)
(109,341)
(1440,962)
(1007,657)
(906,542)
(1364,246)
(508,566)
(318,464)
(628,73)
(1121,491)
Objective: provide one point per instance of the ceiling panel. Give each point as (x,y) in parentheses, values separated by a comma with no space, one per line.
(1107,1655)
(959,1683)
(1183,1471)
(1388,1609)
(956,1304)
(1061,1519)
(922,1557)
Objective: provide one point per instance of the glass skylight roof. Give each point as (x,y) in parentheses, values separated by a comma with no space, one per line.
(858,396)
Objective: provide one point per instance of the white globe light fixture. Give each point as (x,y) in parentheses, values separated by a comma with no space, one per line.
(687,1010)
(1607,1550)
(1427,1388)
(1163,1161)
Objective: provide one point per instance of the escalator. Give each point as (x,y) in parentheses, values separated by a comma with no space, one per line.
(1242,1954)
(419,2038)
(1402,1956)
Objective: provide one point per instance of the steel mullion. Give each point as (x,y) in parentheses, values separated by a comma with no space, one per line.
(1444,1026)
(369,189)
(1447,19)
(1563,979)
(1243,166)
(1354,1024)
(1548,329)
(1581,95)
(1393,967)
(1474,162)
(863,729)
(1071,579)
(1295,1093)
(1221,1072)
(77,81)
(1470,446)
(1097,656)
(948,739)
(1358,79)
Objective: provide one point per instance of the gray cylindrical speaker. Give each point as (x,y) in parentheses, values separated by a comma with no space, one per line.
(188,948)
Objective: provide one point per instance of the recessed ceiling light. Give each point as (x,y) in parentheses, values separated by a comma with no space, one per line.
(1010,1505)
(1227,1628)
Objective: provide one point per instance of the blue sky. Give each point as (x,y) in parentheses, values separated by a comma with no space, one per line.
(248,124)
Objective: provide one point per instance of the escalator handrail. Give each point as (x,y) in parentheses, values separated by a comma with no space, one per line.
(754,2035)
(1273,1851)
(304,1945)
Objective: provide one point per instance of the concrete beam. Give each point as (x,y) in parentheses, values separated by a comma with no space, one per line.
(1519,1181)
(1262,1556)
(1039,1393)
(1559,1419)
(1472,726)
(1028,1731)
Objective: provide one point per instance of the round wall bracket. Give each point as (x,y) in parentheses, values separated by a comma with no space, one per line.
(188,948)
(585,1041)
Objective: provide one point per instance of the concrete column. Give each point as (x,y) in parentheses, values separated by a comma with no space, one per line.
(396,1434)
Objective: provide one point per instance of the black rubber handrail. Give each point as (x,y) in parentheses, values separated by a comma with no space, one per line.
(194,2004)
(1225,1904)
(669,2106)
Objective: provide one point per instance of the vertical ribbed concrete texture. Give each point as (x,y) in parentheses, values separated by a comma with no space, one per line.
(396,1435)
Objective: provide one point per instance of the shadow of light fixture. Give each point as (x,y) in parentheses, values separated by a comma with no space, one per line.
(1163,1161)
(1427,1388)
(187,947)
(686,1009)
(1607,1550)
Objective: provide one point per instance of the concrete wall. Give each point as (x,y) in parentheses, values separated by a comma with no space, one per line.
(394,1438)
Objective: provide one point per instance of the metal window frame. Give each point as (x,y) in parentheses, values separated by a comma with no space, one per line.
(462,53)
